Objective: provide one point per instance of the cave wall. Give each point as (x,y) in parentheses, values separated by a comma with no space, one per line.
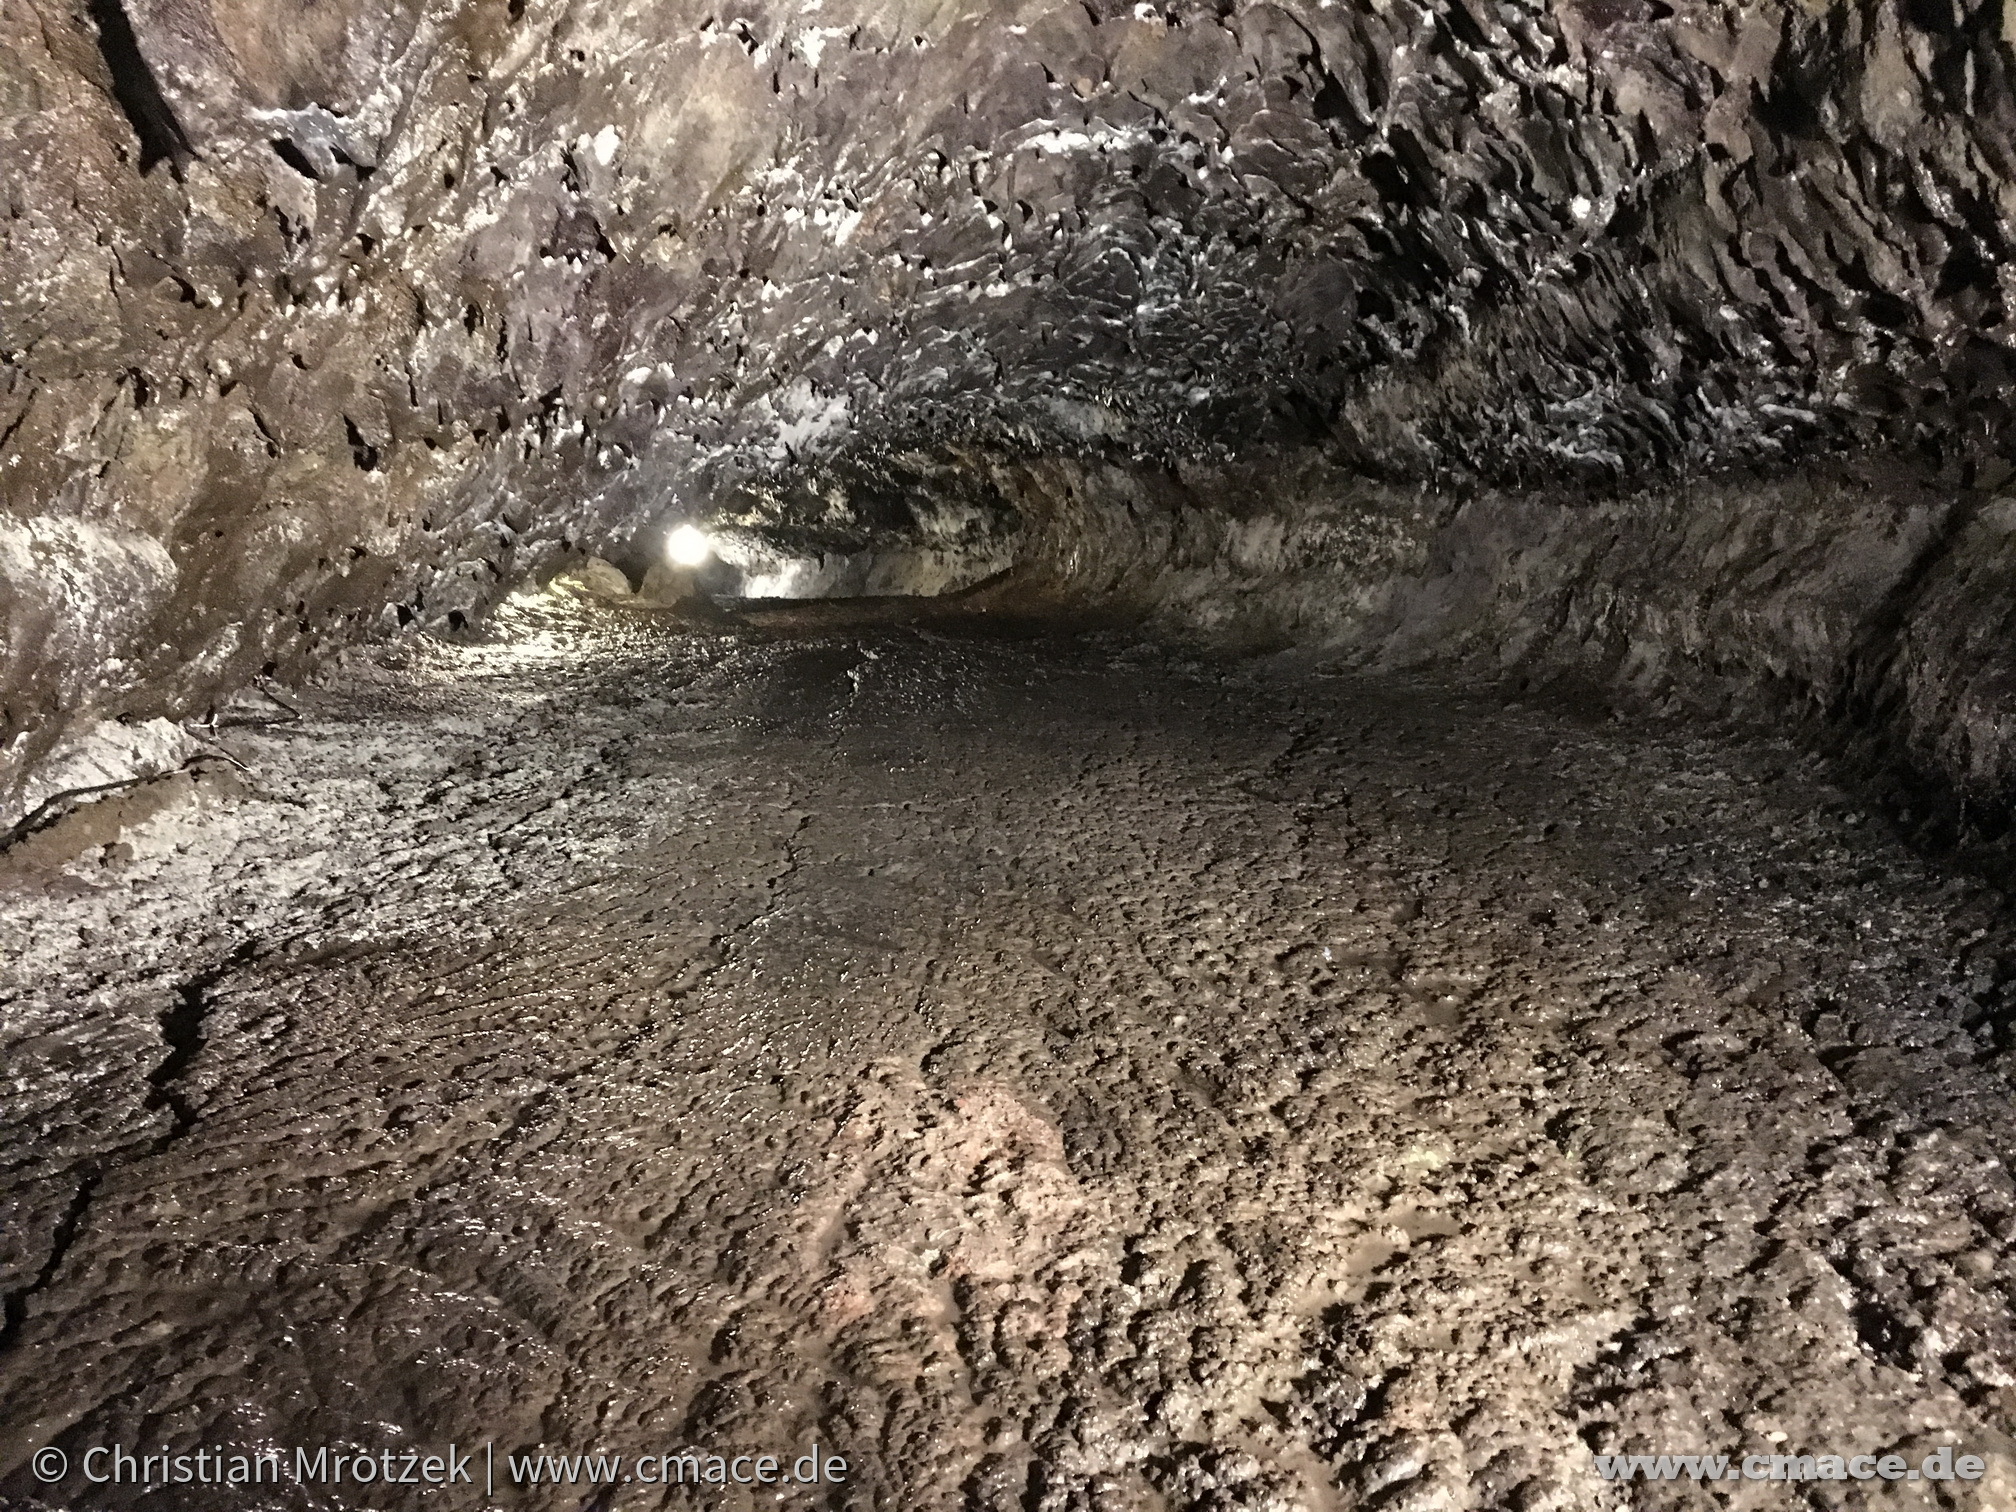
(1865,599)
(321,321)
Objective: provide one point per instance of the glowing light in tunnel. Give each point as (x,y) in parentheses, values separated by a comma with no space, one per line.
(688,546)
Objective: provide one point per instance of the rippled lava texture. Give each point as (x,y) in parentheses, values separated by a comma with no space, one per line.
(1056,1075)
(320,319)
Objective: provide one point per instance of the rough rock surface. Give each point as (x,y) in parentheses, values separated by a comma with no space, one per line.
(323,319)
(1874,606)
(1049,1072)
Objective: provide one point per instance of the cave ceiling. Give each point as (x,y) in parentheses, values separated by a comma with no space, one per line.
(318,318)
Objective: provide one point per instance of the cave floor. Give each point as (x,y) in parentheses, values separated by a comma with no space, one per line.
(1047,1071)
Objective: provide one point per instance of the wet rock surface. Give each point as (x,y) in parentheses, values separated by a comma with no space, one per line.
(1049,1070)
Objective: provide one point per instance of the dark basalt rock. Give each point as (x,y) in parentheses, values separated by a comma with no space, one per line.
(1523,327)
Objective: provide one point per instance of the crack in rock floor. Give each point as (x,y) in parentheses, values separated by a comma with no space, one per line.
(1049,1071)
